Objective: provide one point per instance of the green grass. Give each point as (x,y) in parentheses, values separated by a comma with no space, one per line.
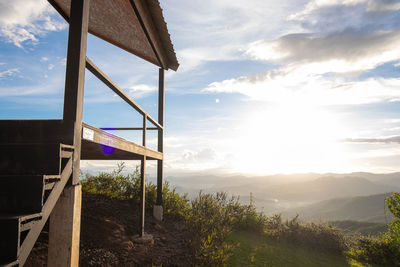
(257,250)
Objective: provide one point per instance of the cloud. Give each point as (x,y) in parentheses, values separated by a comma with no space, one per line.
(27,20)
(141,90)
(321,64)
(9,72)
(340,52)
(206,154)
(291,84)
(210,30)
(389,140)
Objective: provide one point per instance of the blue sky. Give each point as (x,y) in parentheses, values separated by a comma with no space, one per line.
(263,86)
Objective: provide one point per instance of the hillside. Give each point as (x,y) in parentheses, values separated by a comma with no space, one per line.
(363,208)
(107,237)
(276,193)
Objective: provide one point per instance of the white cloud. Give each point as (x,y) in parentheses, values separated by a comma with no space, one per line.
(141,90)
(26,20)
(50,67)
(318,4)
(9,72)
(209,30)
(302,85)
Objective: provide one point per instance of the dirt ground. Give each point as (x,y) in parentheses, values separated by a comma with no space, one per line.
(108,238)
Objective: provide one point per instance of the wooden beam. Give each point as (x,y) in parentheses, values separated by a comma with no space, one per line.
(75,79)
(146,23)
(107,81)
(127,128)
(143,181)
(160,167)
(59,10)
(95,139)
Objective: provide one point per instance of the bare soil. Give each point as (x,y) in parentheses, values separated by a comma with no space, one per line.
(108,231)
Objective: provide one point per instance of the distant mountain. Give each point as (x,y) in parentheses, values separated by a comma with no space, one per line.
(328,187)
(364,228)
(364,208)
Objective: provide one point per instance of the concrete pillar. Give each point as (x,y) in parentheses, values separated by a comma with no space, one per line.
(65,227)
(158,212)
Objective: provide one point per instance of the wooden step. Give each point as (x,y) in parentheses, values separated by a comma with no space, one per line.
(31,131)
(24,193)
(12,228)
(30,158)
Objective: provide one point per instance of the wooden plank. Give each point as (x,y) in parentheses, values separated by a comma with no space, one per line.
(21,194)
(29,158)
(113,86)
(10,240)
(31,131)
(99,144)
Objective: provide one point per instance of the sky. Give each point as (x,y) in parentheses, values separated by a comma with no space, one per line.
(263,86)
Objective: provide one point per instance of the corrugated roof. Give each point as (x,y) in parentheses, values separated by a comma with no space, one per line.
(137,26)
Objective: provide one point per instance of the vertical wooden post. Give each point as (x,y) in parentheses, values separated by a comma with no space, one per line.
(143,180)
(158,208)
(160,170)
(75,79)
(65,218)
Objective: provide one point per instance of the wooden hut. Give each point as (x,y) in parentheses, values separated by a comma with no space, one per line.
(40,159)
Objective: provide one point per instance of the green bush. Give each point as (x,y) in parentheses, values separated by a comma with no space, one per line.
(114,184)
(211,218)
(127,186)
(316,236)
(393,204)
(376,250)
(210,221)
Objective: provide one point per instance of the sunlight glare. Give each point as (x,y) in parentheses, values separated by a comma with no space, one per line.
(291,139)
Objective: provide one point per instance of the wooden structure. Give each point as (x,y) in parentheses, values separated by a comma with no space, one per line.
(40,159)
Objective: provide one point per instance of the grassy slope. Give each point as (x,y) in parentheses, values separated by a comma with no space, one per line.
(255,250)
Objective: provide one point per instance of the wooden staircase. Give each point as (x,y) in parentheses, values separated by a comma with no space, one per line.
(32,178)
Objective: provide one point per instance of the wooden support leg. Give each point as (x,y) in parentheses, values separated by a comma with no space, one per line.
(158,208)
(64,234)
(142,195)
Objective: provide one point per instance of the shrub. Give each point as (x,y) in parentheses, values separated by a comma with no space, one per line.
(121,186)
(114,184)
(316,236)
(210,221)
(376,250)
(393,204)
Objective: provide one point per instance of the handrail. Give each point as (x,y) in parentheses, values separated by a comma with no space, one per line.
(125,128)
(107,81)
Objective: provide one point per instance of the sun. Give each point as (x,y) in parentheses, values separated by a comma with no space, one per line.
(292,139)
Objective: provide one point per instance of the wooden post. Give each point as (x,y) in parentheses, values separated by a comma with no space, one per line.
(143,180)
(158,208)
(75,79)
(65,224)
(65,218)
(160,170)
